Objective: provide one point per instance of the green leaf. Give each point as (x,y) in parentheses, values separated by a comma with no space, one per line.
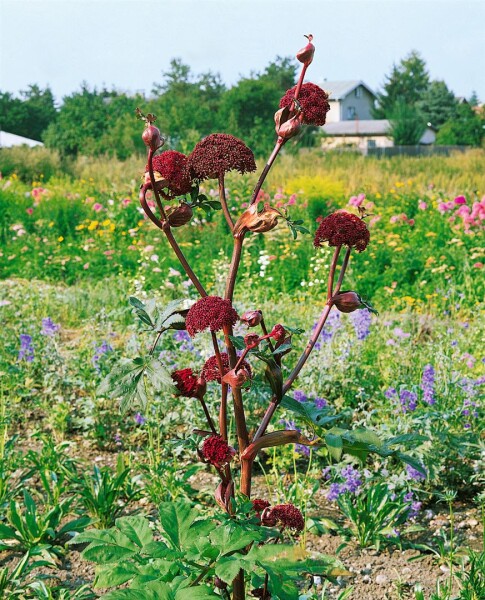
(199,592)
(335,446)
(229,538)
(176,519)
(137,529)
(117,574)
(237,341)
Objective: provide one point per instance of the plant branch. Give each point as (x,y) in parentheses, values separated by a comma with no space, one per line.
(222,198)
(233,269)
(331,275)
(279,144)
(154,185)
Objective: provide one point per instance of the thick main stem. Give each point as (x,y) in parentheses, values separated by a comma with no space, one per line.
(279,144)
(233,269)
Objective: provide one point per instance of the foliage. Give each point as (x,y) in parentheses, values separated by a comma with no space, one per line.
(407,125)
(29,115)
(193,552)
(466,128)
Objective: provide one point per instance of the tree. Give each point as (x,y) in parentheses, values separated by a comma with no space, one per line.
(247,109)
(437,104)
(465,129)
(407,125)
(407,82)
(29,115)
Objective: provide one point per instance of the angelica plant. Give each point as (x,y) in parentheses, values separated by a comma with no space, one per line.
(169,196)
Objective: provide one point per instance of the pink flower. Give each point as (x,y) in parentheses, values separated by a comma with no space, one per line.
(357,200)
(460,200)
(445,207)
(422,205)
(86,266)
(394,219)
(29,211)
(478,265)
(97,207)
(125,201)
(411,222)
(292,200)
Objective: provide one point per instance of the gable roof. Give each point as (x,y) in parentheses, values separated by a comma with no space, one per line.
(340,89)
(7,140)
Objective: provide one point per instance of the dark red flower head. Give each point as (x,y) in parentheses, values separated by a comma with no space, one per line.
(211,372)
(285,515)
(173,169)
(259,505)
(313,101)
(219,153)
(211,313)
(342,229)
(188,384)
(217,451)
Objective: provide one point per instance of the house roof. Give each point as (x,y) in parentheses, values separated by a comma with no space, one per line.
(368,127)
(340,89)
(7,140)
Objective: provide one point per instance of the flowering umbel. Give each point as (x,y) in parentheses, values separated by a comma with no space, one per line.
(210,312)
(342,228)
(188,384)
(285,515)
(313,102)
(219,153)
(217,451)
(171,173)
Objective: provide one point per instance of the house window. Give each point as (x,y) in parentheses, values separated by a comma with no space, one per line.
(358,92)
(371,143)
(351,114)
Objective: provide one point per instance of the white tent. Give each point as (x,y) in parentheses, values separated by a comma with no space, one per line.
(7,140)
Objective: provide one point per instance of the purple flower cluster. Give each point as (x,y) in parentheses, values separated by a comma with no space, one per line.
(413,474)
(139,419)
(185,341)
(414,505)
(49,328)
(332,324)
(407,399)
(361,320)
(470,404)
(26,351)
(99,352)
(427,384)
(351,484)
(299,448)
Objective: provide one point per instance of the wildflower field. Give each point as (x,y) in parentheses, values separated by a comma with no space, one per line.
(87,492)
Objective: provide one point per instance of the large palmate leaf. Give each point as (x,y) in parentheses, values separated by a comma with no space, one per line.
(130,378)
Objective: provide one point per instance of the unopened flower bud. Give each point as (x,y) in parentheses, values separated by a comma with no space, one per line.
(152,138)
(278,333)
(305,55)
(257,222)
(252,318)
(236,379)
(348,301)
(180,215)
(251,340)
(287,126)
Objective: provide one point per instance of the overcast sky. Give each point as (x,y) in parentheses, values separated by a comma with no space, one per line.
(128,43)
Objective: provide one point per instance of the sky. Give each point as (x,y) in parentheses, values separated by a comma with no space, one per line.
(127,44)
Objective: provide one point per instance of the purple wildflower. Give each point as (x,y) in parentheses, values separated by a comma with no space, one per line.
(49,328)
(320,403)
(333,323)
(26,351)
(351,484)
(139,419)
(399,333)
(334,492)
(408,400)
(185,339)
(427,384)
(390,393)
(413,474)
(300,396)
(99,351)
(361,320)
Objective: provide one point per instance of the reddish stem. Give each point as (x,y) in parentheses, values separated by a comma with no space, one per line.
(154,186)
(222,198)
(279,144)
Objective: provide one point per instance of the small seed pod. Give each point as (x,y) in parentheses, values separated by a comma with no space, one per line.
(305,55)
(236,379)
(257,222)
(278,333)
(152,138)
(347,302)
(252,318)
(180,215)
(201,388)
(251,340)
(221,585)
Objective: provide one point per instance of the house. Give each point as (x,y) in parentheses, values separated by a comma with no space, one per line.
(349,100)
(7,140)
(363,135)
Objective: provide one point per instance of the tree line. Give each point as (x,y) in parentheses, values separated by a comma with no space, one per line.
(190,106)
